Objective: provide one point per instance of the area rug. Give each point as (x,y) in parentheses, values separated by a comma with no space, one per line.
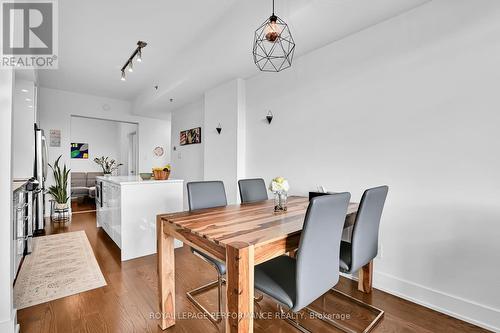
(60,265)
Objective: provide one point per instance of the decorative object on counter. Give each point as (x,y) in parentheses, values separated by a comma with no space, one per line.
(158,151)
(79,150)
(279,186)
(59,191)
(269,117)
(55,138)
(191,136)
(219,128)
(162,173)
(108,165)
(146,175)
(273,45)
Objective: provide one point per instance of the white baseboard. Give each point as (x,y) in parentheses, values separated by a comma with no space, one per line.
(10,326)
(472,312)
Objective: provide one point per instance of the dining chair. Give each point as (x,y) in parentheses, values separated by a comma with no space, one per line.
(201,195)
(252,190)
(297,282)
(363,247)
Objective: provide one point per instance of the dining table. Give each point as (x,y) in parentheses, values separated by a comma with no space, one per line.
(242,236)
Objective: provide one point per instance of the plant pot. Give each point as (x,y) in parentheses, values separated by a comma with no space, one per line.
(161,174)
(107,174)
(61,206)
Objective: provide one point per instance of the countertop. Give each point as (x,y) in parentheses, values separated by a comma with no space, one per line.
(136,180)
(18,183)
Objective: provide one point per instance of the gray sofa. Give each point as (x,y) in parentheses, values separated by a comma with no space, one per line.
(83,184)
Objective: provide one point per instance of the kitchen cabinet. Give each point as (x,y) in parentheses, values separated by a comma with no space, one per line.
(127,207)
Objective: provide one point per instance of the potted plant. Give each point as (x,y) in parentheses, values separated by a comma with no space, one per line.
(59,191)
(108,165)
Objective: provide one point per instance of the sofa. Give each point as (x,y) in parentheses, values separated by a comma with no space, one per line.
(83,184)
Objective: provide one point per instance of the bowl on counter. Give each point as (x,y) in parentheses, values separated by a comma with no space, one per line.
(146,175)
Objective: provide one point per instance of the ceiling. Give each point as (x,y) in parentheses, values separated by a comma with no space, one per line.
(193,45)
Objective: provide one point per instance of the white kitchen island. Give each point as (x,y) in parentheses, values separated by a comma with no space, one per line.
(127,207)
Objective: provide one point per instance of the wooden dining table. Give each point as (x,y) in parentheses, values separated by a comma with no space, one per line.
(242,236)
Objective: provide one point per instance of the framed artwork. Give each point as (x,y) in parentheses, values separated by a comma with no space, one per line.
(55,138)
(79,150)
(191,136)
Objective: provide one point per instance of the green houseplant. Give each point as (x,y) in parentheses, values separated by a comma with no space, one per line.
(108,165)
(59,191)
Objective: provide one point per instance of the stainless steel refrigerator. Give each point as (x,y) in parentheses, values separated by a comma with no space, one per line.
(40,173)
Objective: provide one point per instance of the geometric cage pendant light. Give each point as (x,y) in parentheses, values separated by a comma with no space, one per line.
(273,45)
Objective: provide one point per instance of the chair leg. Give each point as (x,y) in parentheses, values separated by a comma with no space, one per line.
(218,283)
(295,323)
(379,312)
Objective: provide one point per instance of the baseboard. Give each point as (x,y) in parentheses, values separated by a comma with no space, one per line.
(472,312)
(10,326)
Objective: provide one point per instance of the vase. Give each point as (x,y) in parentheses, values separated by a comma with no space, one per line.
(280,201)
(107,174)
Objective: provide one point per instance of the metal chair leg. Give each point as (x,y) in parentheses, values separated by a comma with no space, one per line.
(326,319)
(191,294)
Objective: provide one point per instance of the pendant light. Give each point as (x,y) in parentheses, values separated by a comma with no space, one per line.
(273,45)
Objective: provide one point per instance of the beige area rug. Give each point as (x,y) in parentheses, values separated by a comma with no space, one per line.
(60,265)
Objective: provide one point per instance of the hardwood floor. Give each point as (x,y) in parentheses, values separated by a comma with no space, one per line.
(129,302)
(82,205)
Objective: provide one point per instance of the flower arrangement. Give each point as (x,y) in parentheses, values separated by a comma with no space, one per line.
(108,165)
(59,191)
(279,186)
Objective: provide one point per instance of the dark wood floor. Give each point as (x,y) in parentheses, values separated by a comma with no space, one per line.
(129,300)
(82,205)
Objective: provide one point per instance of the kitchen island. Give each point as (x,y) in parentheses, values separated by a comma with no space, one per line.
(127,207)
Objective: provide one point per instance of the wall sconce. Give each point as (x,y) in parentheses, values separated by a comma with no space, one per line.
(269,117)
(219,128)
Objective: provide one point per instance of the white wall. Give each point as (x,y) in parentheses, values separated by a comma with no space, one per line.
(23,135)
(101,135)
(187,161)
(223,159)
(7,313)
(412,103)
(55,108)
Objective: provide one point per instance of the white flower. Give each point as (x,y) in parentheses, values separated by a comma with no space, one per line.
(279,184)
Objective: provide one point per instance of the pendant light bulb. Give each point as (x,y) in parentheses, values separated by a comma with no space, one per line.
(272,31)
(139,56)
(131,67)
(123,76)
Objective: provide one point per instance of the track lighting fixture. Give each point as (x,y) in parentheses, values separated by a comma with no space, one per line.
(219,128)
(137,55)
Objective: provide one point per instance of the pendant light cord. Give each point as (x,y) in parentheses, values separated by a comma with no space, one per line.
(273,7)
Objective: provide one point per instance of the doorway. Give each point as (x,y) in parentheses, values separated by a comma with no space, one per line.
(116,140)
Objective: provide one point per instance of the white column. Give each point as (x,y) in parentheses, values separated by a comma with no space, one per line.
(225,152)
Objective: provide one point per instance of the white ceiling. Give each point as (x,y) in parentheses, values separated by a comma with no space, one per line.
(193,45)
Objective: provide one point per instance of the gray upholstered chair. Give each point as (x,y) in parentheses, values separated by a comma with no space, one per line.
(201,195)
(252,190)
(363,247)
(296,283)
(364,241)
